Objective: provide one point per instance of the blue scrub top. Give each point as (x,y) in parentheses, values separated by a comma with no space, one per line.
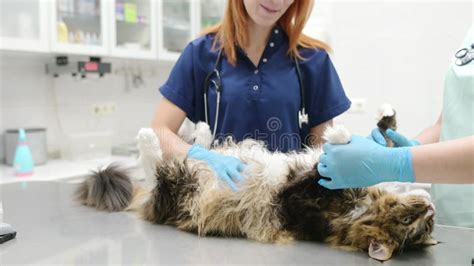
(258,102)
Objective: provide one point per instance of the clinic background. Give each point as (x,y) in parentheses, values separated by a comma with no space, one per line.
(384,51)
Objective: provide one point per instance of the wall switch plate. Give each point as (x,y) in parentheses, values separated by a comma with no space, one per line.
(359,105)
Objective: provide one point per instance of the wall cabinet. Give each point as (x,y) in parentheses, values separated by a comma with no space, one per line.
(183,20)
(176,27)
(24,25)
(142,29)
(210,12)
(79,27)
(134,29)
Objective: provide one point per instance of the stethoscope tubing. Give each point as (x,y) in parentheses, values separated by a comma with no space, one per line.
(302,115)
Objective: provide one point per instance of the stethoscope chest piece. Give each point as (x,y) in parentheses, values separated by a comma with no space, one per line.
(464,56)
(302,118)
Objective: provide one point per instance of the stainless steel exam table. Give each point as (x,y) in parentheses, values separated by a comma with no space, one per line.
(52,229)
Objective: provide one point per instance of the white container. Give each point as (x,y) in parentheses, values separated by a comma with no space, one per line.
(36,139)
(86,146)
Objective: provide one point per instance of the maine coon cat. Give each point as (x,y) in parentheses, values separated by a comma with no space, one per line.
(280,199)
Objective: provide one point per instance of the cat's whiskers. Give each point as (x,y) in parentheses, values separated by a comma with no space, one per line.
(402,245)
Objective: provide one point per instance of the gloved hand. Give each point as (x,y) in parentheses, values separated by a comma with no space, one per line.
(398,139)
(227,168)
(363,163)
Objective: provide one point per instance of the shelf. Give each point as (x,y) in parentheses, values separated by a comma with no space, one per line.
(168,56)
(26,45)
(79,49)
(125,23)
(145,54)
(85,16)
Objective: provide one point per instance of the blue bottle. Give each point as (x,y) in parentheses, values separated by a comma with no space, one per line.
(23,161)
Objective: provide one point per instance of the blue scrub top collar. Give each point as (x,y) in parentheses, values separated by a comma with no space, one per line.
(277,38)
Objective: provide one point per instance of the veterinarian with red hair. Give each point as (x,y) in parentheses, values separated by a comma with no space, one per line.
(442,154)
(266,69)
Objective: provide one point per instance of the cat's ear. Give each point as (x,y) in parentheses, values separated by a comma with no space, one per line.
(380,250)
(430,242)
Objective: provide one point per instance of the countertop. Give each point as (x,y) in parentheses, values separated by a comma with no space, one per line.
(63,169)
(53,229)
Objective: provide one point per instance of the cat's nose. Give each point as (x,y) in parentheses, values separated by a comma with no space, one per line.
(430,211)
(431,207)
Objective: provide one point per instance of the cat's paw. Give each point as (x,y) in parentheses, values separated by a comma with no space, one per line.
(337,134)
(149,144)
(385,110)
(186,131)
(150,154)
(202,135)
(147,138)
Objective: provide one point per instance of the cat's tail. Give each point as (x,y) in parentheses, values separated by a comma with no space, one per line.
(110,189)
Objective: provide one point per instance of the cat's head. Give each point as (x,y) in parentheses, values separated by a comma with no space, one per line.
(396,222)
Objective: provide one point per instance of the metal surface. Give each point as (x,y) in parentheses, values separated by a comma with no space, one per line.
(52,229)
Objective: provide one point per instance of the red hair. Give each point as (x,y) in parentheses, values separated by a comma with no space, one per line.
(233,28)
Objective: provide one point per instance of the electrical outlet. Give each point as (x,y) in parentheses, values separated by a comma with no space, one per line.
(359,105)
(110,108)
(103,109)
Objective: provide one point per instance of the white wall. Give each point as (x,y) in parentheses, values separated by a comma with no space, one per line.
(30,98)
(393,51)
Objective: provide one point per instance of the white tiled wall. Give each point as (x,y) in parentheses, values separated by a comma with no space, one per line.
(24,94)
(30,98)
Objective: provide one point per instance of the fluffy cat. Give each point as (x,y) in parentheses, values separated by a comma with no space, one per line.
(279,200)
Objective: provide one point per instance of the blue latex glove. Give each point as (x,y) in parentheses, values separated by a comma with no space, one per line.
(227,168)
(362,163)
(398,139)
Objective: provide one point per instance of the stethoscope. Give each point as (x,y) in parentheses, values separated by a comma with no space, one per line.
(464,56)
(214,78)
